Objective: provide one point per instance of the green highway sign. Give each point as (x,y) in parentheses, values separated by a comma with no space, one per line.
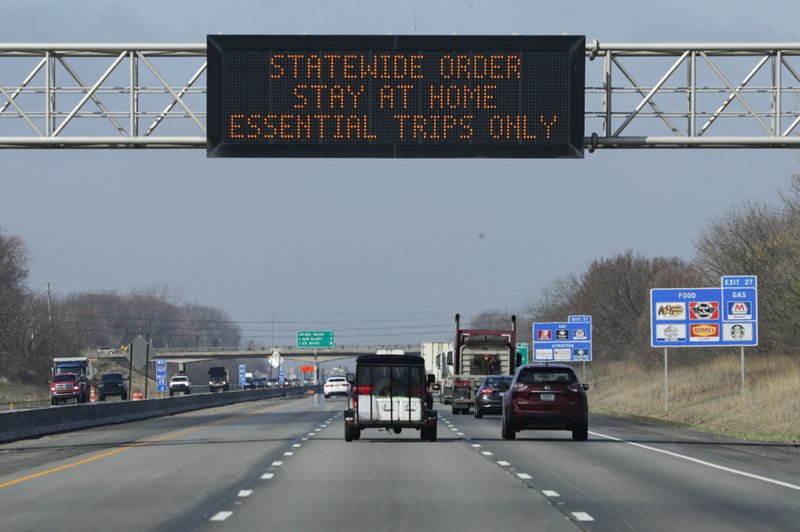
(522,349)
(315,339)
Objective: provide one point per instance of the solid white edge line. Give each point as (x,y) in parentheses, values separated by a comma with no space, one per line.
(582,516)
(701,462)
(245,493)
(221,516)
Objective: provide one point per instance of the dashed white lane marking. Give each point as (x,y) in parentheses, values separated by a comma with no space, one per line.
(221,516)
(317,430)
(460,434)
(245,493)
(476,445)
(582,516)
(288,453)
(486,453)
(503,463)
(277,463)
(550,493)
(524,476)
(454,429)
(297,445)
(304,439)
(312,434)
(267,476)
(701,462)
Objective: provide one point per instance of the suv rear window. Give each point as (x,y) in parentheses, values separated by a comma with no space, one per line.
(547,376)
(498,383)
(404,381)
(111,377)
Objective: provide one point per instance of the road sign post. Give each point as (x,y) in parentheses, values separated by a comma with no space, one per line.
(706,317)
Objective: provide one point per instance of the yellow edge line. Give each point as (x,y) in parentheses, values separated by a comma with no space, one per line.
(115,451)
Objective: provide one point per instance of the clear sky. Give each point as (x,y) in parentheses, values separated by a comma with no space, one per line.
(379,250)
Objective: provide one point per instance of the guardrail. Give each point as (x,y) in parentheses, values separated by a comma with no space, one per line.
(20,425)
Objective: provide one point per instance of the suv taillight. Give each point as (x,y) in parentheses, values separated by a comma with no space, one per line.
(486,391)
(575,387)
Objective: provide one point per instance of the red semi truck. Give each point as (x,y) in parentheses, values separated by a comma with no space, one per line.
(477,353)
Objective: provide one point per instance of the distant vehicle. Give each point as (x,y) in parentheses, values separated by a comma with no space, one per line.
(80,367)
(390,392)
(249,382)
(336,386)
(489,399)
(179,384)
(446,391)
(476,354)
(112,384)
(272,383)
(66,386)
(218,379)
(546,398)
(261,382)
(106,350)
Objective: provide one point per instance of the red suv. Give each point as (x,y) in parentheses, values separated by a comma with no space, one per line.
(546,398)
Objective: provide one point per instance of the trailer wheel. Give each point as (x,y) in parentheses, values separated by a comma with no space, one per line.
(356,433)
(581,433)
(348,433)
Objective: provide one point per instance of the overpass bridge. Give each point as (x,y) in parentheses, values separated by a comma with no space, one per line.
(310,355)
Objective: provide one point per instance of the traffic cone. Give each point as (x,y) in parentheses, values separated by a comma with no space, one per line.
(92,395)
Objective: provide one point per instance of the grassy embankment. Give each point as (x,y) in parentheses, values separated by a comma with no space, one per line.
(706,393)
(23,394)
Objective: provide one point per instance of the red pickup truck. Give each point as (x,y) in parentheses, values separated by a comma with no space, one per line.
(66,386)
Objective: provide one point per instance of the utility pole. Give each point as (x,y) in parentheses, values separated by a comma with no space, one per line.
(49,308)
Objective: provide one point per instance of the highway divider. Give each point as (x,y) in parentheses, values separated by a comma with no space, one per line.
(23,424)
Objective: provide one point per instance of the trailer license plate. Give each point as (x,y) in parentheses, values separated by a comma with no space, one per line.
(547,396)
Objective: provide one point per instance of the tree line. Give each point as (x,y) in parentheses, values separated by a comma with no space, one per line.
(34,327)
(750,239)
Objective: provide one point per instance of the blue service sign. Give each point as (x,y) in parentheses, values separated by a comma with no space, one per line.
(161,375)
(705,317)
(281,377)
(242,371)
(562,341)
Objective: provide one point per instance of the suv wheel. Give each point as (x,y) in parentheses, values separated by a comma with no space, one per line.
(507,430)
(478,412)
(581,433)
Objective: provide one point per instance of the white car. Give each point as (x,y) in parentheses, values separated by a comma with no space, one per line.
(336,386)
(179,383)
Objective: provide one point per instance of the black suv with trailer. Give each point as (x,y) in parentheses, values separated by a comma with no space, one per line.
(390,392)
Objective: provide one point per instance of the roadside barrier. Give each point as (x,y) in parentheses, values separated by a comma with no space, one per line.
(22,424)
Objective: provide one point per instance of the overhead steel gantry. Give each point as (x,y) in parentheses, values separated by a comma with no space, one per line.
(731,95)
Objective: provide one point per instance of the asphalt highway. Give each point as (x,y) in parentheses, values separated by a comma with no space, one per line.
(283,464)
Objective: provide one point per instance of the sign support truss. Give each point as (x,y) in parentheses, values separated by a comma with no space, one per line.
(692,95)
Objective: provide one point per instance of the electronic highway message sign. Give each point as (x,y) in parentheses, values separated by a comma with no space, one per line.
(395,96)
(706,317)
